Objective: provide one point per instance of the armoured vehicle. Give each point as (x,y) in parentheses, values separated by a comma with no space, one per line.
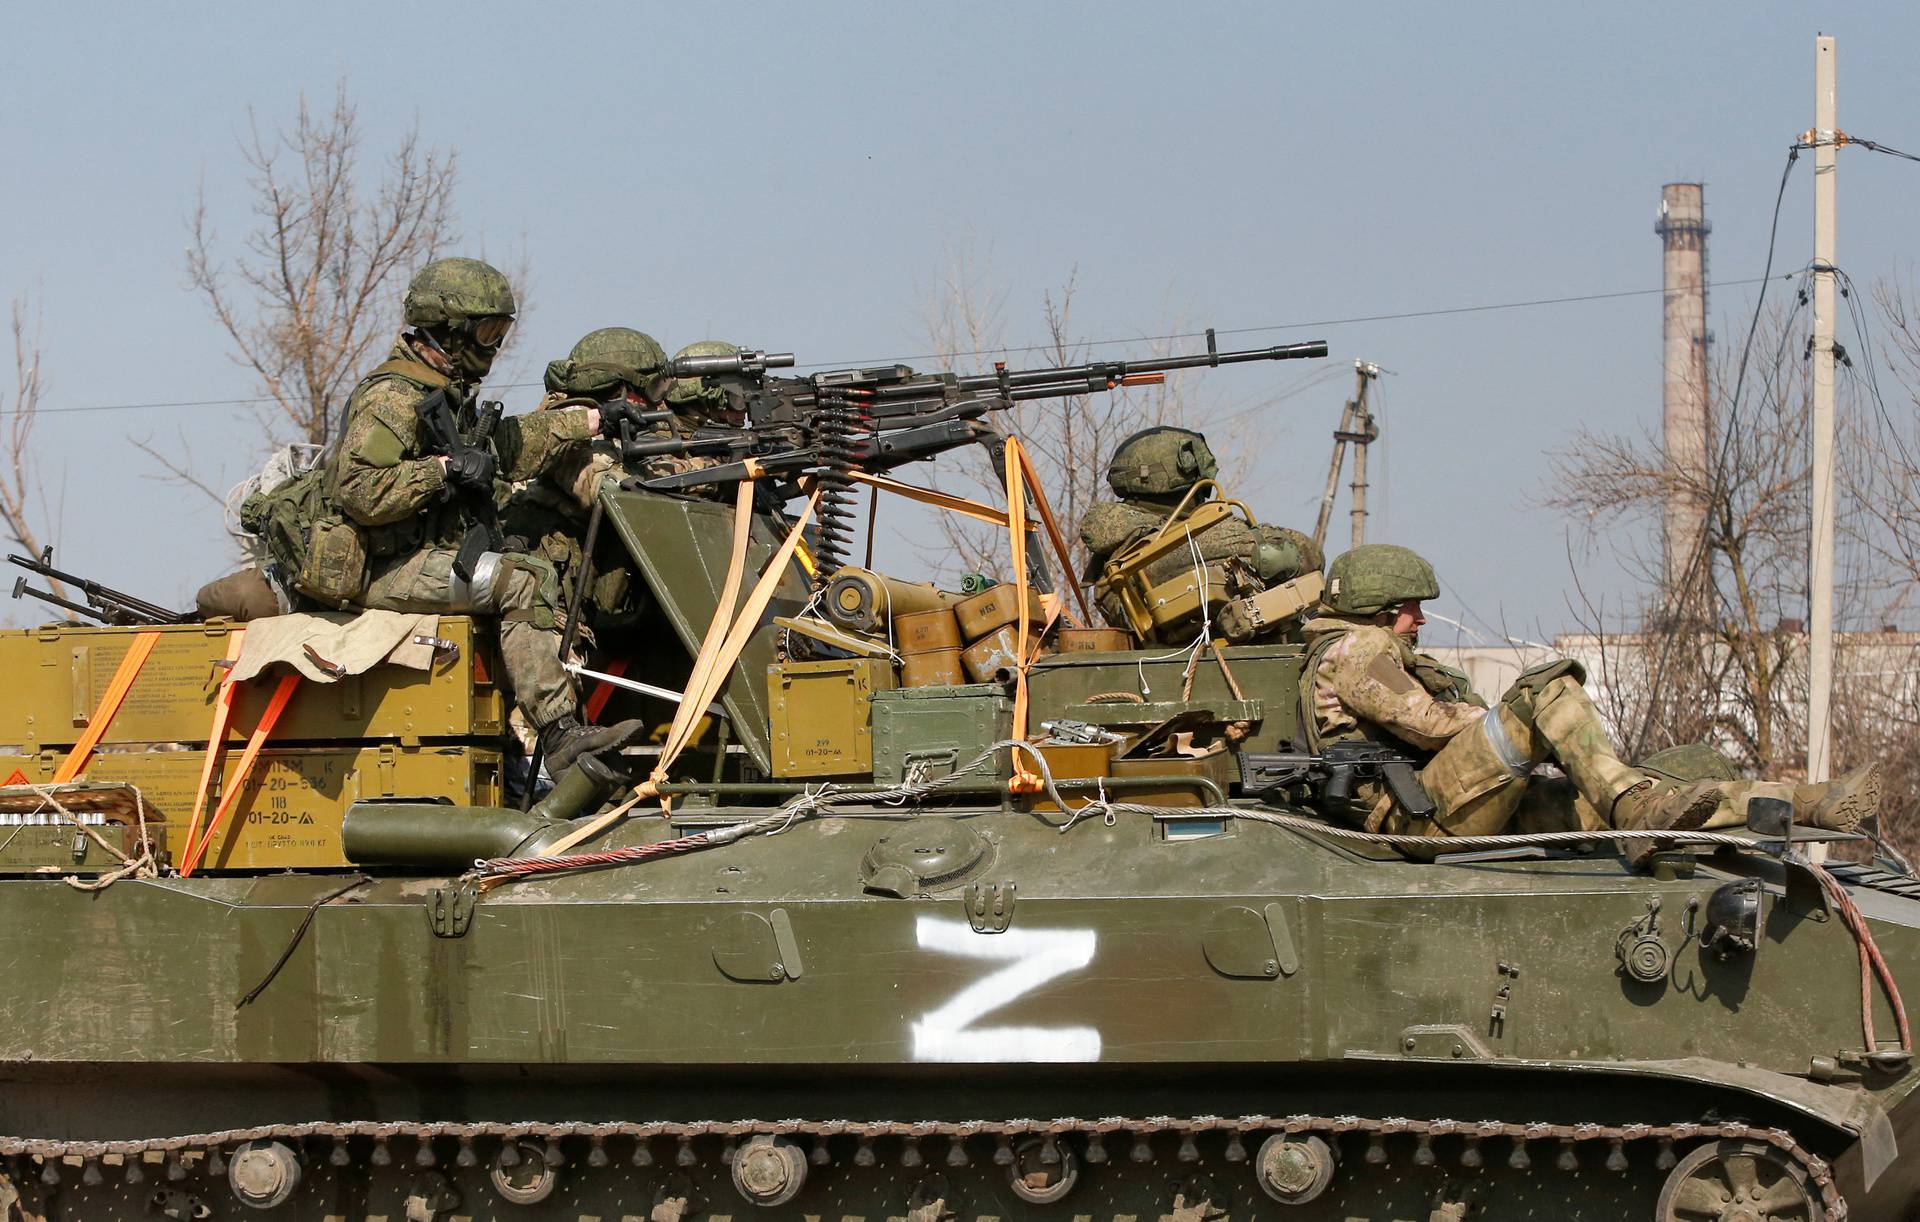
(930,906)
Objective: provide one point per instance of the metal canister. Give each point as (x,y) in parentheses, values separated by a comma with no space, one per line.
(934,668)
(924,631)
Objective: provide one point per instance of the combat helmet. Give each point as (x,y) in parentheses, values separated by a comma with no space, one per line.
(1375,577)
(1160,462)
(465,306)
(693,394)
(608,359)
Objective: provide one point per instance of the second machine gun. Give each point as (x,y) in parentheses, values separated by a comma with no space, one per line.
(825,426)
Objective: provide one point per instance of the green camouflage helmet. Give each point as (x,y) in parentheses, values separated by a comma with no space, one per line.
(607,359)
(693,394)
(1690,762)
(1160,462)
(451,292)
(1377,576)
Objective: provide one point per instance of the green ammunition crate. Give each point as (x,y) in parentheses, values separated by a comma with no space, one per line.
(1268,677)
(822,715)
(942,728)
(55,677)
(288,817)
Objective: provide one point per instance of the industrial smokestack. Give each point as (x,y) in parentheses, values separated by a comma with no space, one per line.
(1683,229)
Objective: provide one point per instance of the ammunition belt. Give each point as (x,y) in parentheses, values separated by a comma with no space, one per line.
(1137,1132)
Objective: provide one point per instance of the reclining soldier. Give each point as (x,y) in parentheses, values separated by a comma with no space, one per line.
(424,515)
(1363,680)
(1151,473)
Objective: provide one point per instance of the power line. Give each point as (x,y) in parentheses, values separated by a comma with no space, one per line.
(1531,303)
(1881,148)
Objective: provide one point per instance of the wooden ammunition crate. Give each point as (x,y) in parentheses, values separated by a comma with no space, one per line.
(55,676)
(288,817)
(822,715)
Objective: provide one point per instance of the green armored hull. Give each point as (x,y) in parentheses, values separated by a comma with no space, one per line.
(926,1001)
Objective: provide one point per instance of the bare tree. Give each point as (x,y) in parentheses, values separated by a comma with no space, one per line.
(23,494)
(314,287)
(1712,647)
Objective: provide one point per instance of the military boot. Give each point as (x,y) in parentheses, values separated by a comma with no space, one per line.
(580,790)
(565,740)
(1840,804)
(1652,806)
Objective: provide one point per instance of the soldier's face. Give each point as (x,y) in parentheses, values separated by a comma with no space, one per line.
(1408,620)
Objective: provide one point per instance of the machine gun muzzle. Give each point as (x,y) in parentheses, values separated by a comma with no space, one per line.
(749,362)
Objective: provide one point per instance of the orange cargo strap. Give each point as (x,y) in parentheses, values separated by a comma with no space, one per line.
(216,733)
(1016,542)
(1038,491)
(727,635)
(230,797)
(603,691)
(934,497)
(129,670)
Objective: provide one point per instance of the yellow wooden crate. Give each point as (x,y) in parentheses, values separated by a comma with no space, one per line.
(289,814)
(52,678)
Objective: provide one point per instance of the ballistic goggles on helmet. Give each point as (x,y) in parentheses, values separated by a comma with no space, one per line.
(489,331)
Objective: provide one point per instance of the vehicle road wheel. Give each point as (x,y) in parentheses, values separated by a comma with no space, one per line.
(1737,1181)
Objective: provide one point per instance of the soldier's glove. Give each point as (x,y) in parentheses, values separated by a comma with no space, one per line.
(1534,679)
(619,417)
(471,469)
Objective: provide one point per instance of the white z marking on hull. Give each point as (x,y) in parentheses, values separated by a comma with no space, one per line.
(1032,958)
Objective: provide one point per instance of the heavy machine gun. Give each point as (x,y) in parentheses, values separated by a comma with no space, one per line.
(827,425)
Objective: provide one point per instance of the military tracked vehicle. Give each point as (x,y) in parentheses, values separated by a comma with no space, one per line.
(935,913)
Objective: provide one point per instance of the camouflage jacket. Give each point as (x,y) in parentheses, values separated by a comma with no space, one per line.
(1366,681)
(382,475)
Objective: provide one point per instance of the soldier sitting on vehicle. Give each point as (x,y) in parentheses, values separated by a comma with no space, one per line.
(422,508)
(1363,680)
(1157,473)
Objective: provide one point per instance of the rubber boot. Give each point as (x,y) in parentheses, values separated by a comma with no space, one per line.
(566,740)
(1840,804)
(580,790)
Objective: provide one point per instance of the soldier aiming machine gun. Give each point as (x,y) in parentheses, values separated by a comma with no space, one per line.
(826,425)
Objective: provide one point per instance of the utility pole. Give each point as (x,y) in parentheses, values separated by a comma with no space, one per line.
(1825,138)
(1358,428)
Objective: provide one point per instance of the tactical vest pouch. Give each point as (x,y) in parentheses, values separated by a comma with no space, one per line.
(334,570)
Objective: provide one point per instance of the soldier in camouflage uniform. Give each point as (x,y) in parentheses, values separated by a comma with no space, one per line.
(1151,473)
(611,366)
(1363,679)
(415,508)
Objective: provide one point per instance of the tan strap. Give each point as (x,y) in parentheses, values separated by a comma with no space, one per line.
(727,635)
(413,371)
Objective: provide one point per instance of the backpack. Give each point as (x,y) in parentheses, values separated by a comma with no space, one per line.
(310,547)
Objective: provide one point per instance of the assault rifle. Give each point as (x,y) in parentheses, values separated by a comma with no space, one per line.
(441,430)
(1332,774)
(885,417)
(104,603)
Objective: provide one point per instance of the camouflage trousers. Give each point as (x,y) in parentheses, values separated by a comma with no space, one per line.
(524,594)
(1481,780)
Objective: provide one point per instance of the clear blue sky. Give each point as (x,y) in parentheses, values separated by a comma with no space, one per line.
(788,177)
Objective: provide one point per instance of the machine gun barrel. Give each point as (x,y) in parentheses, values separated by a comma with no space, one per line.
(1102,374)
(106,604)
